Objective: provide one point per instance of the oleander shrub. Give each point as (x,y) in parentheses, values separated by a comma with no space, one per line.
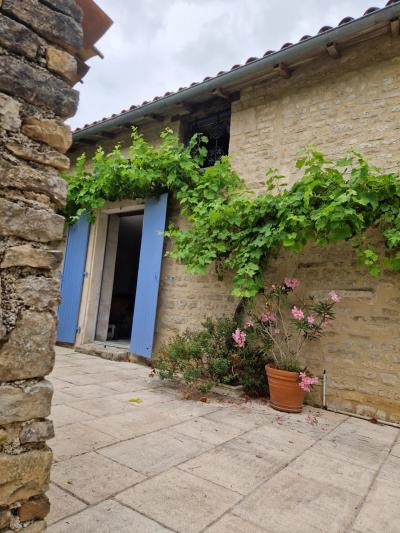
(210,356)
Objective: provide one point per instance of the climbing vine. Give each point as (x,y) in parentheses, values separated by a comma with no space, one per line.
(234,229)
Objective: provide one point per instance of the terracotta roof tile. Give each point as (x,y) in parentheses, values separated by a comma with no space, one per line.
(324,29)
(345,20)
(371,10)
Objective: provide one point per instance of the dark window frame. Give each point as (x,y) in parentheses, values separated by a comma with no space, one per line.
(216,127)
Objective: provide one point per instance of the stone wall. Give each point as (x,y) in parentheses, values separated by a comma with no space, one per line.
(38,40)
(354,102)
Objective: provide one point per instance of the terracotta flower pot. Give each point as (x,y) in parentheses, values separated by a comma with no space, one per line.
(284,390)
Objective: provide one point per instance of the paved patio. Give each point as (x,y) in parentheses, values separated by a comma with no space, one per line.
(160,463)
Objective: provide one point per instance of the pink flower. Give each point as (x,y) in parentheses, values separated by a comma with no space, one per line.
(248,324)
(334,297)
(297,313)
(307,381)
(273,286)
(239,338)
(291,283)
(268,316)
(311,319)
(327,323)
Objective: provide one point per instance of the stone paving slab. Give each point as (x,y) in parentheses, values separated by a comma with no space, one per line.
(107,517)
(136,422)
(81,392)
(162,463)
(94,478)
(208,430)
(396,450)
(359,442)
(65,414)
(290,502)
(235,468)
(63,504)
(60,397)
(76,439)
(234,524)
(338,473)
(154,453)
(101,407)
(181,501)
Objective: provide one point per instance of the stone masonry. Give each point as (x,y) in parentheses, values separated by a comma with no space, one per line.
(335,104)
(38,40)
(351,102)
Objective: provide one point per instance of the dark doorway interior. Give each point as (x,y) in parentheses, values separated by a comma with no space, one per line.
(125,277)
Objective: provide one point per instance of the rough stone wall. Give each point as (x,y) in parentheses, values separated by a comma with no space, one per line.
(334,104)
(38,40)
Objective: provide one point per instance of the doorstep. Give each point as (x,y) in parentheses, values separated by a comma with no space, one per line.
(104,351)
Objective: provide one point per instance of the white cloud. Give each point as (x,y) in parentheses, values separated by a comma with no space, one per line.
(156,46)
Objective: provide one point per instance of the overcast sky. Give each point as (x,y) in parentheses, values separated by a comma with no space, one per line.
(156,46)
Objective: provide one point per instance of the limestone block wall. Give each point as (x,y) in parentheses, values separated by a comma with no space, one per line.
(38,40)
(334,104)
(337,104)
(351,102)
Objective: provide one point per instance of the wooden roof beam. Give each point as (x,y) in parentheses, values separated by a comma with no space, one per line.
(186,106)
(155,116)
(395,27)
(283,70)
(221,94)
(333,50)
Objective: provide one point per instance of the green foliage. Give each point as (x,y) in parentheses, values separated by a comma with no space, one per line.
(209,356)
(235,230)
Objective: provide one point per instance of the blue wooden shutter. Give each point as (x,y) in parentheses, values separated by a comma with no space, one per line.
(72,280)
(151,252)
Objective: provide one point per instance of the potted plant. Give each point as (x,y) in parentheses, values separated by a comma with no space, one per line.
(288,328)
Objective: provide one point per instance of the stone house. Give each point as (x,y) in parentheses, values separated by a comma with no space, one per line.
(337,89)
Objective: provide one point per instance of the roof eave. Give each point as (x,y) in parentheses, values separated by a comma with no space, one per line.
(288,56)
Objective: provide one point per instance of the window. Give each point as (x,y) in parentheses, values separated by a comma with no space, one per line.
(216,128)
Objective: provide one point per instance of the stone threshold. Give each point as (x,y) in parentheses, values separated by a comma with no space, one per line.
(111,353)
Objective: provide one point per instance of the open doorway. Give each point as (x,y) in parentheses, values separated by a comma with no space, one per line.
(120,271)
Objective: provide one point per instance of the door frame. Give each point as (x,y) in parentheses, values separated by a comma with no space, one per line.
(94,267)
